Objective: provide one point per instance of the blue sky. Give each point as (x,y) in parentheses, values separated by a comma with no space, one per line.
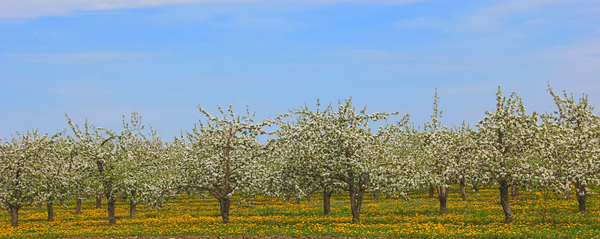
(102,59)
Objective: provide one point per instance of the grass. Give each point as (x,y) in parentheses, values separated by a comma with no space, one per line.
(538,214)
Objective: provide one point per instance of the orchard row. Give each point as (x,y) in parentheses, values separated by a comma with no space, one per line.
(323,150)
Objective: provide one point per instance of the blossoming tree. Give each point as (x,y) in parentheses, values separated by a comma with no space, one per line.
(340,145)
(505,143)
(224,156)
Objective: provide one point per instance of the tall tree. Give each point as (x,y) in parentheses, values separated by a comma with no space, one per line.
(505,141)
(572,145)
(224,156)
(445,156)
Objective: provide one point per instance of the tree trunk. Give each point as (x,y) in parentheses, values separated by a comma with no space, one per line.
(581,195)
(14,215)
(62,202)
(112,220)
(310,198)
(327,202)
(225,203)
(431,189)
(49,206)
(443,197)
(132,206)
(463,190)
(78,207)
(375,196)
(581,200)
(514,192)
(356,197)
(504,187)
(568,195)
(98,202)
(475,186)
(297,200)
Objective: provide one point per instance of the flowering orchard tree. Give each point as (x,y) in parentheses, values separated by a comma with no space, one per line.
(58,170)
(294,174)
(141,156)
(86,181)
(340,144)
(447,156)
(109,160)
(225,156)
(464,151)
(572,145)
(160,176)
(505,141)
(21,170)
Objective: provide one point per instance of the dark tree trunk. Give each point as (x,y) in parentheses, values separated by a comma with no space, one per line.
(14,215)
(568,195)
(98,202)
(443,197)
(463,190)
(297,200)
(581,195)
(132,206)
(310,199)
(431,190)
(504,187)
(356,197)
(327,202)
(49,206)
(112,220)
(78,207)
(225,203)
(514,192)
(375,196)
(62,202)
(475,186)
(581,200)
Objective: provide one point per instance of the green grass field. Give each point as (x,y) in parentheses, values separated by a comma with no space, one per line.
(536,215)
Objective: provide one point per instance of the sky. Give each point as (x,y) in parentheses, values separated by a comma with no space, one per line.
(103,59)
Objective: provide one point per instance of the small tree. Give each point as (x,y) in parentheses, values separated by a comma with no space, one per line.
(21,174)
(340,145)
(58,170)
(110,159)
(290,156)
(445,156)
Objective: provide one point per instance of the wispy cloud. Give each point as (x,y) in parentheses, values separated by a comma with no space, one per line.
(76,58)
(79,92)
(577,64)
(39,8)
(492,17)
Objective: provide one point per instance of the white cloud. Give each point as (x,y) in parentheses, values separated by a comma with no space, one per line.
(39,8)
(491,17)
(76,58)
